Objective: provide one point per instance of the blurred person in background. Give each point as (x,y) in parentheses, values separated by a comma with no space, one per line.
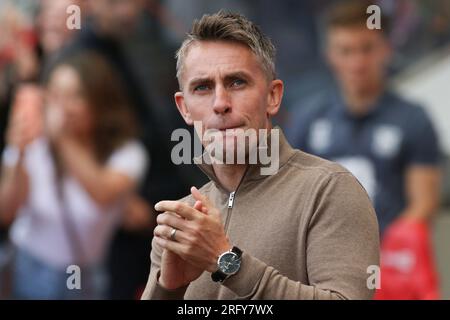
(389,144)
(32,32)
(18,57)
(64,184)
(28,40)
(106,28)
(19,63)
(51,23)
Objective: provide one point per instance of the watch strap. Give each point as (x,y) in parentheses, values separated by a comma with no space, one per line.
(218,276)
(237,251)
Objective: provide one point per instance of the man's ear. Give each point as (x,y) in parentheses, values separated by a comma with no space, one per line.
(184,111)
(275,97)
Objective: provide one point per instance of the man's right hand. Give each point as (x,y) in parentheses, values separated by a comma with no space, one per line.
(176,272)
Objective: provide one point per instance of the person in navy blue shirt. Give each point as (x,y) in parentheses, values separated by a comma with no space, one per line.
(389,144)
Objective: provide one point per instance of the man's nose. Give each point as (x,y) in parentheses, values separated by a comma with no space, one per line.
(222,102)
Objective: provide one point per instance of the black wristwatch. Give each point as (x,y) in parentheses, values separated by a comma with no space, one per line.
(228,264)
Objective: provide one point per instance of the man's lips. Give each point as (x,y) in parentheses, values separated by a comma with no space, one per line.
(223,131)
(229,128)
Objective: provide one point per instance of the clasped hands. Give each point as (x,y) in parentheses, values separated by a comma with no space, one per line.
(199,239)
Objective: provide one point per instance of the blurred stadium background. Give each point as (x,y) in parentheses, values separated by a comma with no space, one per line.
(420,70)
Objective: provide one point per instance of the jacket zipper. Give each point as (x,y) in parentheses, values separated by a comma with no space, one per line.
(231,197)
(231,200)
(230,208)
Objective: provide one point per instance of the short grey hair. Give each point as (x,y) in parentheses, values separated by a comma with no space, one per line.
(233,27)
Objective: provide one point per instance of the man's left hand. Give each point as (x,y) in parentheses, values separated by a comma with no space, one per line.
(200,237)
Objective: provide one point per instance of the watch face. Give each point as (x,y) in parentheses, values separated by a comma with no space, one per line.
(229,263)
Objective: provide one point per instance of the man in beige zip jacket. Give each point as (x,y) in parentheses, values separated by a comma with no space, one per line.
(306,230)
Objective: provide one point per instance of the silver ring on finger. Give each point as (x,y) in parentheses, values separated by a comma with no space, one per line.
(172,234)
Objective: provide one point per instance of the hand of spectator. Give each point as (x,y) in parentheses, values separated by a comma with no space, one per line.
(26,117)
(54,121)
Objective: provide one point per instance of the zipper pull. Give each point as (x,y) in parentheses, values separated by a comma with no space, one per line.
(231,200)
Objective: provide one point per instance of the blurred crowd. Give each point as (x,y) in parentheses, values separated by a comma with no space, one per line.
(86,117)
(100,131)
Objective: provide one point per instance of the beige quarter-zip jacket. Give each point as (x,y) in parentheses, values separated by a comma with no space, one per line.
(307,232)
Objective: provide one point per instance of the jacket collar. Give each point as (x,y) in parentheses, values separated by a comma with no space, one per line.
(253,171)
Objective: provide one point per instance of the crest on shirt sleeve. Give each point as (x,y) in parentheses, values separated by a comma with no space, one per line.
(320,135)
(386,141)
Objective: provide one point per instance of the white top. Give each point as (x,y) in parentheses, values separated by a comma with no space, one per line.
(39,226)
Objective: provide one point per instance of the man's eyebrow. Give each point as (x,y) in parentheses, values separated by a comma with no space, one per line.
(199,80)
(230,76)
(237,74)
